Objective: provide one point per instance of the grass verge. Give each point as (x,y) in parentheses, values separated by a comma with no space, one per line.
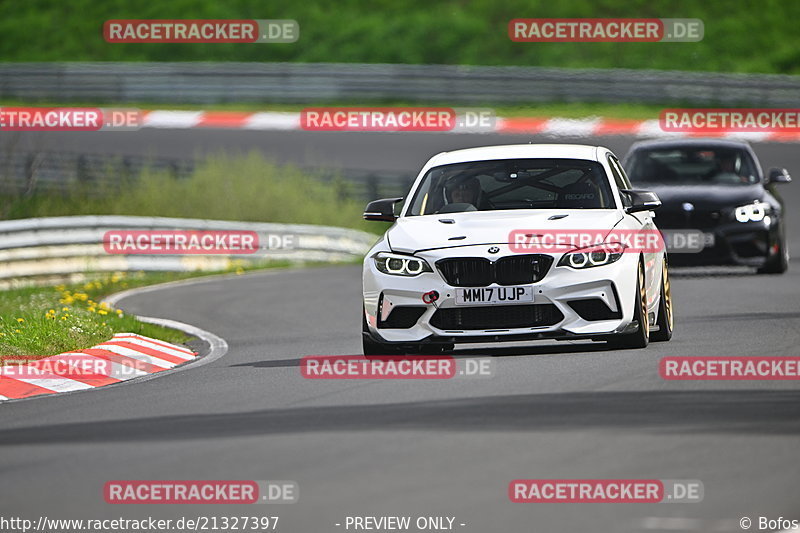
(43,321)
(51,320)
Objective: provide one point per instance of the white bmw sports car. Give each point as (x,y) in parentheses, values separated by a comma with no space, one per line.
(506,243)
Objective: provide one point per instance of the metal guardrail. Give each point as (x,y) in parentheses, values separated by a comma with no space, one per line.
(210,83)
(53,172)
(27,171)
(57,247)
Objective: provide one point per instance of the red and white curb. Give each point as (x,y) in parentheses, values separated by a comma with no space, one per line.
(124,357)
(553,127)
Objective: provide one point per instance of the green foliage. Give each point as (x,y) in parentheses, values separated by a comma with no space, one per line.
(53,320)
(740,36)
(246,188)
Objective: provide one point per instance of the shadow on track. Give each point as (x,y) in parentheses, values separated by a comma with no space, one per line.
(742,317)
(707,412)
(465,353)
(690,272)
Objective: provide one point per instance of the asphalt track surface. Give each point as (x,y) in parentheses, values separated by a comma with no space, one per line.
(412,448)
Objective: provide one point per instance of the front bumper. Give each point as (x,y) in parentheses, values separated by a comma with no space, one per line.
(749,244)
(611,288)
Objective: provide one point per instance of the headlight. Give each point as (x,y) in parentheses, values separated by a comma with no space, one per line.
(754,212)
(602,254)
(400,265)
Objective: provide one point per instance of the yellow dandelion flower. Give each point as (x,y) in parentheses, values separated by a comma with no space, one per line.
(103,312)
(20,320)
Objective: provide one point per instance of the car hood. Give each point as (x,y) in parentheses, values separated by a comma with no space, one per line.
(706,197)
(429,232)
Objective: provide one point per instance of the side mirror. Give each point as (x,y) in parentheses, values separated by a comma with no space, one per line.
(382,209)
(778,175)
(641,200)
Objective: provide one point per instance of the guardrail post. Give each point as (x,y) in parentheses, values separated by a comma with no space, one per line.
(82,169)
(31,166)
(372,187)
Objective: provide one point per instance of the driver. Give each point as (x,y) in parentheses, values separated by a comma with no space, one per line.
(726,168)
(465,191)
(727,163)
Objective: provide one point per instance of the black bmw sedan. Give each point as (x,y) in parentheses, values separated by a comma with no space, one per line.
(718,188)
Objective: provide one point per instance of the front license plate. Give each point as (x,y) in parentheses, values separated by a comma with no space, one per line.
(493,295)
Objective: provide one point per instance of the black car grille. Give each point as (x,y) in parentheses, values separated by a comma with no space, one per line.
(481,272)
(496,317)
(466,272)
(755,244)
(680,220)
(402,317)
(593,309)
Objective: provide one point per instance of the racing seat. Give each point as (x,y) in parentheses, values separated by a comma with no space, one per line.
(580,195)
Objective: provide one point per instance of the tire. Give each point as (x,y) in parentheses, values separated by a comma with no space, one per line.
(665,319)
(779,263)
(370,346)
(641,337)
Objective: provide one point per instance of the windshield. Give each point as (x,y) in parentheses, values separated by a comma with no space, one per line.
(694,165)
(513,184)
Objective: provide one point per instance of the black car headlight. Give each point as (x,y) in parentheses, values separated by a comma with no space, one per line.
(599,255)
(400,265)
